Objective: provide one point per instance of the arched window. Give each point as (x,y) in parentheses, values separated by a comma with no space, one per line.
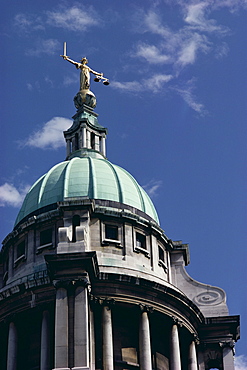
(75,222)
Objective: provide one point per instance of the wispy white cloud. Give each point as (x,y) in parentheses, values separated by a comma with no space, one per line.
(240,362)
(73,18)
(27,22)
(70,80)
(187,93)
(152,54)
(50,136)
(190,48)
(152,187)
(12,196)
(49,47)
(154,84)
(196,17)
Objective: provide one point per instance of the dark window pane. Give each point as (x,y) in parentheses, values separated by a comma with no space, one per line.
(46,237)
(161,254)
(21,249)
(140,240)
(111,232)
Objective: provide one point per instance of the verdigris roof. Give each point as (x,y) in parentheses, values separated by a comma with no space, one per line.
(87,177)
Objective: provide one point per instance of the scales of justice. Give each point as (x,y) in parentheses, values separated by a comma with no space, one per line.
(85,96)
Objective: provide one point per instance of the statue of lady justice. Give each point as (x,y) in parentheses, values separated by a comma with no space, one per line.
(85,72)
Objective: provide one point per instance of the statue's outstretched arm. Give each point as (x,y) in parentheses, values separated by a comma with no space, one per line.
(95,73)
(71,61)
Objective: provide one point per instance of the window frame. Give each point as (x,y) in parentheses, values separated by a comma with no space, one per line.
(106,241)
(161,261)
(137,248)
(46,245)
(22,256)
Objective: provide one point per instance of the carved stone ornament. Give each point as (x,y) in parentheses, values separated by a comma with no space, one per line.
(85,97)
(209,297)
(145,308)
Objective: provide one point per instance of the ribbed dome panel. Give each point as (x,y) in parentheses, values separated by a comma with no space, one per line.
(86,177)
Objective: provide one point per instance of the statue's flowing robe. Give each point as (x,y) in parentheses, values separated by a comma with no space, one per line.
(84,77)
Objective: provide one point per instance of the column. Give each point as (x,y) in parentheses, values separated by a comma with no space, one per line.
(61,330)
(84,137)
(228,362)
(175,361)
(192,363)
(144,343)
(108,363)
(88,140)
(103,148)
(68,147)
(45,342)
(81,326)
(12,347)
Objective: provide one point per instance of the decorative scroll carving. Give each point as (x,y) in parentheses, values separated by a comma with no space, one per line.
(209,297)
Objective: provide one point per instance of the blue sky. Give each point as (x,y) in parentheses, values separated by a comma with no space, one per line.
(175,111)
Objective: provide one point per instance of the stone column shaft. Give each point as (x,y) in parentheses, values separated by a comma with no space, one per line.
(68,147)
(12,347)
(89,140)
(103,147)
(61,329)
(84,137)
(144,343)
(108,363)
(175,360)
(192,357)
(45,342)
(81,326)
(228,363)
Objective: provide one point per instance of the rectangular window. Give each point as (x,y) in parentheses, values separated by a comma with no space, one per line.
(46,237)
(161,254)
(21,249)
(140,244)
(162,261)
(111,235)
(141,241)
(20,252)
(111,232)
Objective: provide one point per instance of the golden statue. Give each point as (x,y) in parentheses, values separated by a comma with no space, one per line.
(85,72)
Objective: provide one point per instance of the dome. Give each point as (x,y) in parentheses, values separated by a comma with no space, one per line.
(86,177)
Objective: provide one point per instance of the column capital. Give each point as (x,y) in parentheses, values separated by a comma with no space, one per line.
(102,301)
(196,339)
(68,283)
(177,321)
(145,308)
(229,344)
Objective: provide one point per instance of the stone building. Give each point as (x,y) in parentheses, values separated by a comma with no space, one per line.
(89,280)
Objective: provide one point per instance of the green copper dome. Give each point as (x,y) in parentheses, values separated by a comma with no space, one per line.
(86,177)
